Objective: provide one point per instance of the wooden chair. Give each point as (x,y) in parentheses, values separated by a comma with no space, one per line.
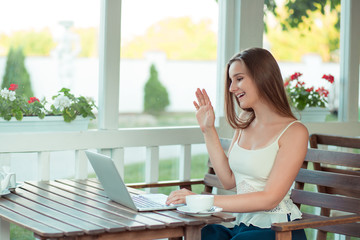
(350,144)
(334,140)
(344,195)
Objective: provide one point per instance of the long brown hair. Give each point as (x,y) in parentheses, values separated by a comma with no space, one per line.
(264,70)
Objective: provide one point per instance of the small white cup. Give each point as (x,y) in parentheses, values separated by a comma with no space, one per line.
(12,182)
(199,203)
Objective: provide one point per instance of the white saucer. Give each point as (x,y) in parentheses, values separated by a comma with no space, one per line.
(186,210)
(4,192)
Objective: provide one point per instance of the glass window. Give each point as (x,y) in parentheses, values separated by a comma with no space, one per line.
(174,44)
(309,46)
(59,40)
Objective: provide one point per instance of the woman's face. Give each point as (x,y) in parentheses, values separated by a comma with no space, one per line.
(242,85)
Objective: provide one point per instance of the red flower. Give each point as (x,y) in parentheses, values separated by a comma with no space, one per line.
(295,76)
(33,99)
(13,87)
(309,89)
(322,91)
(302,96)
(329,77)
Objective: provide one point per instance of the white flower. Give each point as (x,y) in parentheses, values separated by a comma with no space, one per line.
(62,102)
(12,95)
(5,93)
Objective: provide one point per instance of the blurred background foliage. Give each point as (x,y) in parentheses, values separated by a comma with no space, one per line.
(311,24)
(318,33)
(179,38)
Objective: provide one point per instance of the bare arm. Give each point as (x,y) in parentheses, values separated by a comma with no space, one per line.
(206,119)
(291,154)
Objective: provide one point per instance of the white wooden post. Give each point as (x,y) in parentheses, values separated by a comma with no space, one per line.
(185,163)
(349,61)
(109,64)
(44,166)
(152,166)
(81,164)
(118,156)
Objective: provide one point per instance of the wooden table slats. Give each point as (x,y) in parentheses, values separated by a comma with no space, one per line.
(30,224)
(127,218)
(67,219)
(104,223)
(79,209)
(109,220)
(42,218)
(112,206)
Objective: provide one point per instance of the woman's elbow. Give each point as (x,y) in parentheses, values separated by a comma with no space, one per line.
(269,206)
(229,186)
(270,203)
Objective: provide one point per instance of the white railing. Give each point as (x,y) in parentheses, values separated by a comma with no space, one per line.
(114,142)
(109,142)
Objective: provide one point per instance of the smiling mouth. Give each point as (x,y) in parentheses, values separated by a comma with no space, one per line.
(240,95)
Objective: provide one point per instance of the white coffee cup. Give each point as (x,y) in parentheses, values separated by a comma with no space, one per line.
(12,181)
(199,202)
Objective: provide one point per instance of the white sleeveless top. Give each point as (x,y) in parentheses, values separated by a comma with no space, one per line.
(251,169)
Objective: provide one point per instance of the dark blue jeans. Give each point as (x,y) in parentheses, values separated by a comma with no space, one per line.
(243,232)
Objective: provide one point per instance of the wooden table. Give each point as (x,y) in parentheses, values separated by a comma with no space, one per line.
(79,209)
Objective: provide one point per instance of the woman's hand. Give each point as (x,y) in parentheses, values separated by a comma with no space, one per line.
(204,111)
(178,196)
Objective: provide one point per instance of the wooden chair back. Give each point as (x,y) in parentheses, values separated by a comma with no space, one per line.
(349,144)
(333,140)
(340,190)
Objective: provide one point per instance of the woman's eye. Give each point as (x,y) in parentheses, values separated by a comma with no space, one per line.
(239,79)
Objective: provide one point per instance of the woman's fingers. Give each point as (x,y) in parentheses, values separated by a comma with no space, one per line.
(174,198)
(178,196)
(196,105)
(202,97)
(206,97)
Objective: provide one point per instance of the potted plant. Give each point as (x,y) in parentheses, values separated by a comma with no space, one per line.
(307,101)
(64,107)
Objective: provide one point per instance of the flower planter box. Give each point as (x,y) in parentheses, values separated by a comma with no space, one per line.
(311,114)
(48,124)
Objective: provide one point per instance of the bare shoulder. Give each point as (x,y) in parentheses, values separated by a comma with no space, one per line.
(297,133)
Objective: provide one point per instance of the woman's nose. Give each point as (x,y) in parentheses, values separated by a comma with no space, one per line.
(232,87)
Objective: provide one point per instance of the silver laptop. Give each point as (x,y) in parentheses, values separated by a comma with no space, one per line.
(116,190)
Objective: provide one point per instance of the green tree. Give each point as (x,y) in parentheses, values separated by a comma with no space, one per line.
(316,32)
(300,10)
(179,38)
(41,43)
(33,43)
(156,97)
(88,40)
(321,38)
(15,72)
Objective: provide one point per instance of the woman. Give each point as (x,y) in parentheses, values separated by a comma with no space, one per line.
(266,153)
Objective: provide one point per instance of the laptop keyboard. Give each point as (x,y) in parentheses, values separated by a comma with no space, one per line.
(144,202)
